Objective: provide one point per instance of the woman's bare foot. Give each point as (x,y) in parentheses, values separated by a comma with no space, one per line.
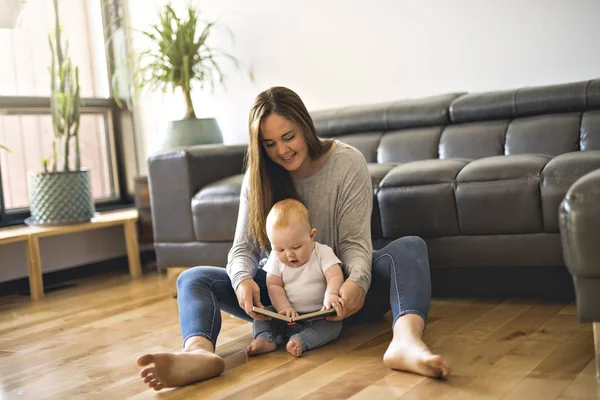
(408,352)
(260,346)
(294,347)
(163,370)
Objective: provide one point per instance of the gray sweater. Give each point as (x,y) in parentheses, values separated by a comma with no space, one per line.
(339,197)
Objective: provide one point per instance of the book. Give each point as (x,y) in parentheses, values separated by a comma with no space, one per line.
(301,318)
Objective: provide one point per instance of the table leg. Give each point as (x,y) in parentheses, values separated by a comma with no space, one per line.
(597,346)
(34,265)
(133,250)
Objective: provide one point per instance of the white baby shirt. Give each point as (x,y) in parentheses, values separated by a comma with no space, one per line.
(304,286)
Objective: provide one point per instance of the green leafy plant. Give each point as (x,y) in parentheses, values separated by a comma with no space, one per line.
(4,148)
(178,56)
(65,101)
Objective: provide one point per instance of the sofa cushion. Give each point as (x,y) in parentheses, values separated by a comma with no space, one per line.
(558,176)
(593,93)
(590,131)
(409,145)
(561,98)
(409,113)
(500,195)
(215,209)
(427,111)
(547,134)
(366,143)
(473,140)
(417,198)
(483,106)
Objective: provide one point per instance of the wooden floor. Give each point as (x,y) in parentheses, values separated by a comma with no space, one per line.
(81,343)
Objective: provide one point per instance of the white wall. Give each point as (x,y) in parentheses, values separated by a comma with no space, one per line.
(336,53)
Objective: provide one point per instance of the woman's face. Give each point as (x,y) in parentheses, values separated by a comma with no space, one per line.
(284,142)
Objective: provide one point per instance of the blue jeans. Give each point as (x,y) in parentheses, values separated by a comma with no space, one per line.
(400,280)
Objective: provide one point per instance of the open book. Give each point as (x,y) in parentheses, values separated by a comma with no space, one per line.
(301,318)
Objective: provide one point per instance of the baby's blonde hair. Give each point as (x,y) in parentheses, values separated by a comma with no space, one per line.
(284,212)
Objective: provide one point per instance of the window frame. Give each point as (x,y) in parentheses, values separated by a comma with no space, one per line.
(17,105)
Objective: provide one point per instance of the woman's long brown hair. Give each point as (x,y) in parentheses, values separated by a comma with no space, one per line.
(269,182)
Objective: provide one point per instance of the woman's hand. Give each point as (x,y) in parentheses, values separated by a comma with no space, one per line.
(288,312)
(352,300)
(248,295)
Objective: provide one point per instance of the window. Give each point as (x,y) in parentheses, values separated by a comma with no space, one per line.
(30,136)
(25,121)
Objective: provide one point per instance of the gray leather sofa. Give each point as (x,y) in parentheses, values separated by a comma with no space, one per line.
(580,228)
(480,176)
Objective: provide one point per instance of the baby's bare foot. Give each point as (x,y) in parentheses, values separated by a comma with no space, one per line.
(163,370)
(260,346)
(294,347)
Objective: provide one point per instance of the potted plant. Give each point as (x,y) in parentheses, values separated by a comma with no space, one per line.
(61,194)
(178,57)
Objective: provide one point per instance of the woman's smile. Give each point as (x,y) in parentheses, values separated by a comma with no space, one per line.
(288,159)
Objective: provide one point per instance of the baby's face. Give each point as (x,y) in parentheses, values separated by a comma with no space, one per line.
(293,244)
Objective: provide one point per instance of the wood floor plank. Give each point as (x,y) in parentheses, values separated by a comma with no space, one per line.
(466,343)
(508,372)
(537,388)
(567,362)
(585,387)
(269,380)
(352,382)
(454,387)
(348,347)
(392,386)
(81,343)
(485,351)
(570,309)
(442,328)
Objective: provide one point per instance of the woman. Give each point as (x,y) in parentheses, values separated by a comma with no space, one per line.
(286,159)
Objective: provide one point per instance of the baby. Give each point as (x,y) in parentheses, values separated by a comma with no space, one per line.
(302,276)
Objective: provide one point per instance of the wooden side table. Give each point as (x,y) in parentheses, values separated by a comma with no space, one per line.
(31,235)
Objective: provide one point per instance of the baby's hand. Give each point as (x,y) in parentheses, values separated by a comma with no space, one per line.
(289,312)
(332,300)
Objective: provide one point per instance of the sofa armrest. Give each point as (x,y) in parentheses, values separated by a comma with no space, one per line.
(579,217)
(580,226)
(176,176)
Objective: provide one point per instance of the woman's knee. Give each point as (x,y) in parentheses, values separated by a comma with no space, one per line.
(198,276)
(412,244)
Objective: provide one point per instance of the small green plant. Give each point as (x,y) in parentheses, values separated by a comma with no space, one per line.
(65,101)
(5,148)
(178,56)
